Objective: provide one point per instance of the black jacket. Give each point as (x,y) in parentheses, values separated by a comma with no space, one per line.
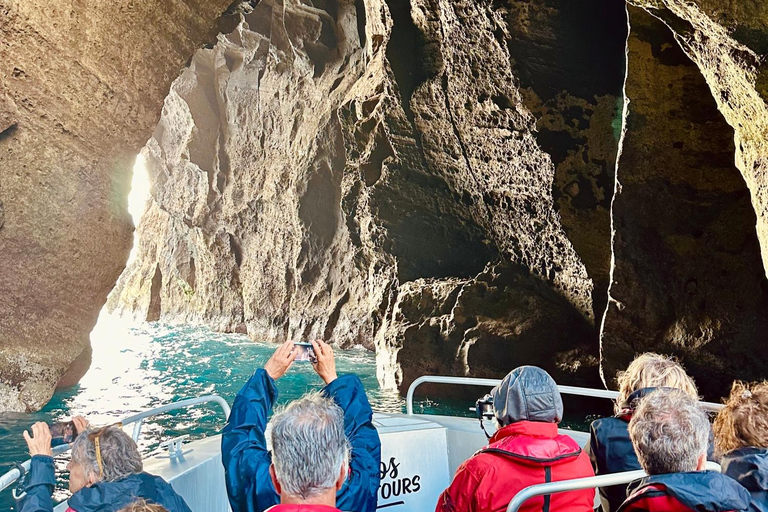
(749,466)
(699,491)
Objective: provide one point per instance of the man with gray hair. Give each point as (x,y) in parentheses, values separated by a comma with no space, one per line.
(325,450)
(670,434)
(310,453)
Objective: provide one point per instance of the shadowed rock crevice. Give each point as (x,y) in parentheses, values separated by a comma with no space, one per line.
(569,58)
(703,294)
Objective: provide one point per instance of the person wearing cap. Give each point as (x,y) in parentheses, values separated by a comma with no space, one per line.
(526,450)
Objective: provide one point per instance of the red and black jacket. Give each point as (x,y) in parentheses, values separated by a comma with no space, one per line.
(698,491)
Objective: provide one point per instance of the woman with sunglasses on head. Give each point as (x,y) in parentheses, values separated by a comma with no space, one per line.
(105,473)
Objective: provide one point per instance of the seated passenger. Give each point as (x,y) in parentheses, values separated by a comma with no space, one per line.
(248,464)
(105,473)
(526,450)
(609,447)
(670,433)
(741,437)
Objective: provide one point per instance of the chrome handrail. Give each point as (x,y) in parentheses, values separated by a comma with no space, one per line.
(7,479)
(581,483)
(566,390)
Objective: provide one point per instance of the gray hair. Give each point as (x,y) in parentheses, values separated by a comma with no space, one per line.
(669,431)
(309,446)
(120,456)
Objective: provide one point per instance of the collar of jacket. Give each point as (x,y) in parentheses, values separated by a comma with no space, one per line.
(526,428)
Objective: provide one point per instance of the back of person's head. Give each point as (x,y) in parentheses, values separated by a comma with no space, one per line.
(743,421)
(527,393)
(141,505)
(651,370)
(107,454)
(309,447)
(669,432)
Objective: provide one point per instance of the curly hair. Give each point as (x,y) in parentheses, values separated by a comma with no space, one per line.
(141,505)
(650,370)
(744,419)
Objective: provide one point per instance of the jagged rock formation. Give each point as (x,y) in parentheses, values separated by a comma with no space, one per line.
(459,185)
(409,178)
(81,85)
(687,276)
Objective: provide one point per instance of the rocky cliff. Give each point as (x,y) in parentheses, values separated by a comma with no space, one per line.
(463,186)
(81,85)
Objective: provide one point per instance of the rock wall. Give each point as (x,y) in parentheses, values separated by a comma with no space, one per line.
(687,277)
(481,184)
(322,167)
(463,186)
(81,85)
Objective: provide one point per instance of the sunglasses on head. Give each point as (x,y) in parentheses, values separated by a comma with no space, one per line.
(94,436)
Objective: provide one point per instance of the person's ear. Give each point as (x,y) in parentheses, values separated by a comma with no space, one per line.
(342,476)
(701,464)
(274,478)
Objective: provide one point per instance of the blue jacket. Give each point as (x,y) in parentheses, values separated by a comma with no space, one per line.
(749,466)
(246,459)
(701,491)
(100,497)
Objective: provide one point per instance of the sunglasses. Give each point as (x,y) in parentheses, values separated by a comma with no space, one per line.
(94,437)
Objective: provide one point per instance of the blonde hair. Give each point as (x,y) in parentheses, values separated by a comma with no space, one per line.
(652,370)
(744,419)
(141,505)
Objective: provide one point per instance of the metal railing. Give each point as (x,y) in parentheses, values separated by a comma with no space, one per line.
(566,390)
(12,475)
(581,483)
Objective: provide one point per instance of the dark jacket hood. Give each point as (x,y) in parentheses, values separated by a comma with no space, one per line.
(112,496)
(700,490)
(527,393)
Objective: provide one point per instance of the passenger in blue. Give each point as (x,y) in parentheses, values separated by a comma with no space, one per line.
(105,473)
(741,437)
(243,444)
(670,433)
(609,447)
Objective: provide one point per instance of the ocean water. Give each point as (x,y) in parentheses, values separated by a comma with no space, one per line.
(137,367)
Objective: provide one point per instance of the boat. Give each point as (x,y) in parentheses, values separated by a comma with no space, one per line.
(419,455)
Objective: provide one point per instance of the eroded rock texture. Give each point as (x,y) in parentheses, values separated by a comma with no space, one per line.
(687,276)
(365,173)
(81,85)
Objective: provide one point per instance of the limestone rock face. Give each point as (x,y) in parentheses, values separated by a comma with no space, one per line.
(322,167)
(81,86)
(687,276)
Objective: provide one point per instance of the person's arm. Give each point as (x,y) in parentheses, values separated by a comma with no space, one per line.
(243,445)
(42,479)
(461,495)
(360,490)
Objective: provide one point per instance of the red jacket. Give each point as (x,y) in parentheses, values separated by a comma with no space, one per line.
(521,454)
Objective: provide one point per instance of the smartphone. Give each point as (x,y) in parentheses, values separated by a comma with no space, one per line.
(306,352)
(62,432)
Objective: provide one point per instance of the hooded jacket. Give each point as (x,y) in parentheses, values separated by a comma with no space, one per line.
(699,491)
(610,449)
(101,496)
(522,453)
(246,459)
(749,467)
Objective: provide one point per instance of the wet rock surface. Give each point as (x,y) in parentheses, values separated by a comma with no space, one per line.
(81,86)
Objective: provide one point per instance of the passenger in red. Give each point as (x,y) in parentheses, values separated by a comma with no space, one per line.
(670,433)
(526,450)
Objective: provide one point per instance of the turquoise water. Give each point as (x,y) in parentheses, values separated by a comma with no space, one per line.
(138,367)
